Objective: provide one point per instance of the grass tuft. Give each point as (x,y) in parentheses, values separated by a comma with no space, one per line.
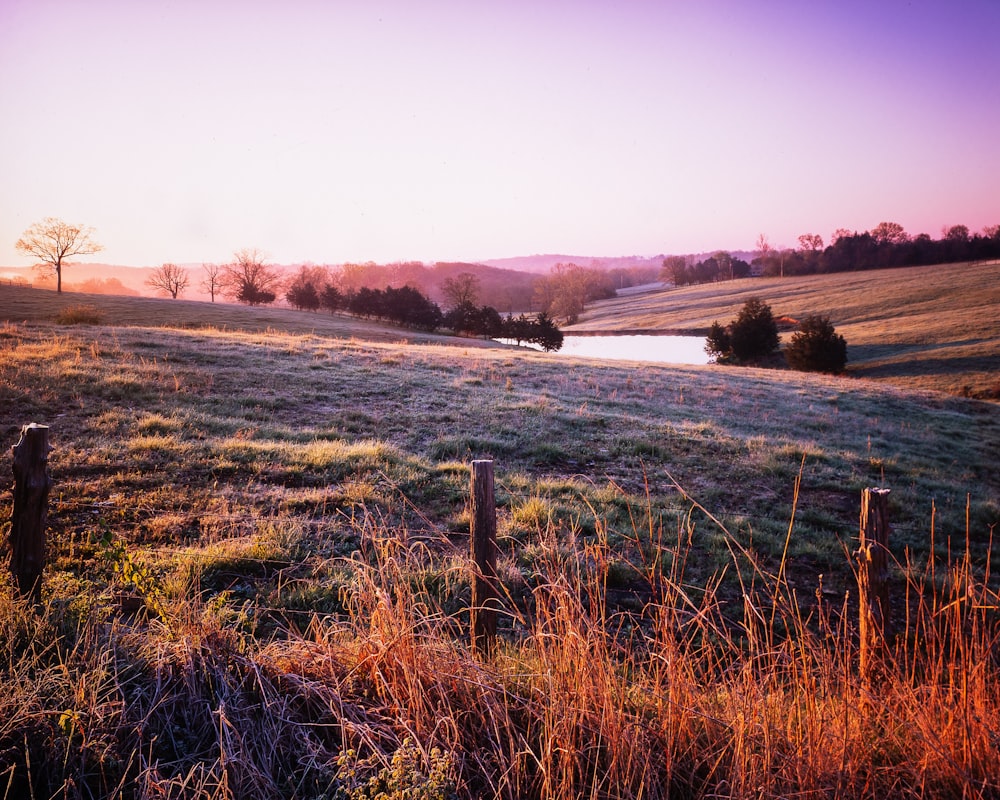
(80,314)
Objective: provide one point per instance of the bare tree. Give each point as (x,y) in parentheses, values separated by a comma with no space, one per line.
(674,269)
(811,241)
(52,241)
(764,246)
(249,279)
(461,289)
(169,279)
(764,249)
(352,277)
(212,282)
(725,262)
(564,293)
(305,288)
(839,234)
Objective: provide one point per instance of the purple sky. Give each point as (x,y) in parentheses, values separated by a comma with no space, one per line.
(331,131)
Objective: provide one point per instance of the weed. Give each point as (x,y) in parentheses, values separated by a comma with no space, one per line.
(134,575)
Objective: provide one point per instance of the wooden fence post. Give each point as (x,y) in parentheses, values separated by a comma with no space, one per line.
(31,494)
(485,594)
(873,575)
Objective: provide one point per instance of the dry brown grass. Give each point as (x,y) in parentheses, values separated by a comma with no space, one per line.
(579,701)
(258,583)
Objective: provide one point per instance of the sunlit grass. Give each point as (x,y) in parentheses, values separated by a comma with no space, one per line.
(301,506)
(580,698)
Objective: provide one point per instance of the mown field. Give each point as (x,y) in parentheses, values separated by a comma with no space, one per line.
(258,581)
(930,327)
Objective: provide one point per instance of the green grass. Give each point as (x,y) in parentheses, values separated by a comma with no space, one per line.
(924,327)
(250,415)
(292,510)
(25,304)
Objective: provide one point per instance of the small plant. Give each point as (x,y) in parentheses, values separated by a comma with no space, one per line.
(135,576)
(80,314)
(817,347)
(408,774)
(533,514)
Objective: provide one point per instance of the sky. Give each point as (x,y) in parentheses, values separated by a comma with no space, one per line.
(329,131)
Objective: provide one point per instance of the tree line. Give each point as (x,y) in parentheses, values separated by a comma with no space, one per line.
(561,296)
(313,288)
(886,245)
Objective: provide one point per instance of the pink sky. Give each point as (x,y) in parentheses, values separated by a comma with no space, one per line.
(459,130)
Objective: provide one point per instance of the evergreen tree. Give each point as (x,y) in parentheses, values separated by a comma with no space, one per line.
(817,347)
(753,335)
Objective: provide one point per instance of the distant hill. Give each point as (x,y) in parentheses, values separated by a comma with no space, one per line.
(541,264)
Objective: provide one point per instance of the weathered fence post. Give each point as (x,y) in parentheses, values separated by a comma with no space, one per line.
(485,594)
(31,495)
(873,575)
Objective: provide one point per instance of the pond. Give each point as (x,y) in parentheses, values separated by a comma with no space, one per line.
(638,347)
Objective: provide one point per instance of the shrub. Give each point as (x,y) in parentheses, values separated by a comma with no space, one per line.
(717,343)
(303,294)
(752,336)
(547,334)
(542,331)
(331,298)
(253,296)
(80,315)
(817,347)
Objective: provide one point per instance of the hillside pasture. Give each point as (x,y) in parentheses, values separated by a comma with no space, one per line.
(258,578)
(26,304)
(934,327)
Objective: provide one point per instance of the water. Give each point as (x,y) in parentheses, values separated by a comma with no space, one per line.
(638,347)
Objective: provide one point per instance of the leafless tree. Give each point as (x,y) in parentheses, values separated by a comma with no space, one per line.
(725,262)
(764,247)
(169,279)
(764,250)
(839,234)
(52,241)
(212,282)
(674,269)
(811,241)
(250,279)
(565,291)
(461,289)
(305,288)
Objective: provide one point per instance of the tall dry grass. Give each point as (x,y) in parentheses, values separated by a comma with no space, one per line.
(291,622)
(579,700)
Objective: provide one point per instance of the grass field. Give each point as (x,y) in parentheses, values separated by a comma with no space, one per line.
(258,577)
(931,327)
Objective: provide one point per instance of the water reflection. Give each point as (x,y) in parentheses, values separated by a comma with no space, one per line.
(638,347)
